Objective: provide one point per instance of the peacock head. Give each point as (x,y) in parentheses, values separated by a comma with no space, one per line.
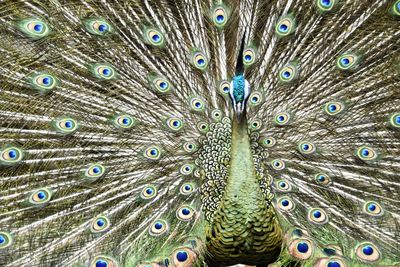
(239,93)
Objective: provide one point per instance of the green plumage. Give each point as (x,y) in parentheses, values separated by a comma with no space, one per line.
(127,140)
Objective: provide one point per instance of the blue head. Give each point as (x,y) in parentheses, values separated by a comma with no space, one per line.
(239,94)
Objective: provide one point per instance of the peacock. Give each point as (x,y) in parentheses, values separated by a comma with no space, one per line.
(156,133)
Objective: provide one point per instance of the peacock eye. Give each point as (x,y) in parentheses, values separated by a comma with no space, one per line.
(103,261)
(94,171)
(301,248)
(203,127)
(333,108)
(44,82)
(366,153)
(288,73)
(220,16)
(185,213)
(224,87)
(65,125)
(322,179)
(278,164)
(282,186)
(325,5)
(40,196)
(317,216)
(269,142)
(158,227)
(187,189)
(186,169)
(174,124)
(104,71)
(282,118)
(285,26)
(347,61)
(34,28)
(330,262)
(11,155)
(100,224)
(396,8)
(5,239)
(148,192)
(190,147)
(249,56)
(216,115)
(395,120)
(306,147)
(161,85)
(183,257)
(255,98)
(98,26)
(152,152)
(154,37)
(255,124)
(373,208)
(199,60)
(196,104)
(123,122)
(368,252)
(285,204)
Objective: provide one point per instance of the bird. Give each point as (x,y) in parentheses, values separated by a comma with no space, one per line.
(163,133)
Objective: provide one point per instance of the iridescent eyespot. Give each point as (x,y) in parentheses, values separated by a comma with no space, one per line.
(123,122)
(325,5)
(224,88)
(158,227)
(199,60)
(183,257)
(301,248)
(373,208)
(190,147)
(255,124)
(396,8)
(220,15)
(186,169)
(282,118)
(278,164)
(368,252)
(187,188)
(249,56)
(268,142)
(288,73)
(196,104)
(395,119)
(255,98)
(40,197)
(347,61)
(44,82)
(154,37)
(152,152)
(98,26)
(148,192)
(333,108)
(103,261)
(331,262)
(203,127)
(185,213)
(282,186)
(65,125)
(317,216)
(322,179)
(285,204)
(366,153)
(103,71)
(285,26)
(34,28)
(306,147)
(216,115)
(160,84)
(94,171)
(5,239)
(11,155)
(174,124)
(100,224)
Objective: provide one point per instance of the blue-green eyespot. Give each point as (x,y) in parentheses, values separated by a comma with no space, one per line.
(5,239)
(103,71)
(249,56)
(220,15)
(199,60)
(285,26)
(98,26)
(11,155)
(197,104)
(366,153)
(94,171)
(326,5)
(154,37)
(123,122)
(152,153)
(43,82)
(282,118)
(148,192)
(40,197)
(288,73)
(348,61)
(100,224)
(103,261)
(160,84)
(34,28)
(65,125)
(174,124)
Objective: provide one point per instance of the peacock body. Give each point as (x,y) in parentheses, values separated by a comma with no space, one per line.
(200,133)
